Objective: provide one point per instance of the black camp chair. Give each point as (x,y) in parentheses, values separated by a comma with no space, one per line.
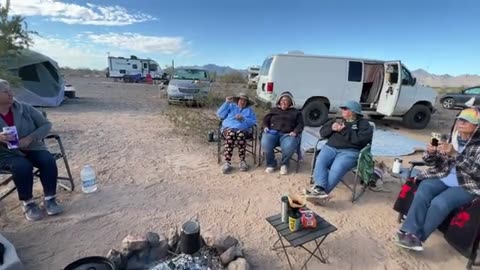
(251,143)
(65,182)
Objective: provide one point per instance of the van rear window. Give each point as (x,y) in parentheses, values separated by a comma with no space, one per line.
(266,66)
(355,71)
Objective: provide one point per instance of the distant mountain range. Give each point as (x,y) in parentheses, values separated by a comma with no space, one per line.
(222,70)
(445,80)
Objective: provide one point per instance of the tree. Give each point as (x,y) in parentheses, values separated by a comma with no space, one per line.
(14,37)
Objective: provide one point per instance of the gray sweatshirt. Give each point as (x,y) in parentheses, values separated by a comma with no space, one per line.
(29,122)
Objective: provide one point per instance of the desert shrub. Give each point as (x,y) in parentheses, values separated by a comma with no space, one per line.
(233,77)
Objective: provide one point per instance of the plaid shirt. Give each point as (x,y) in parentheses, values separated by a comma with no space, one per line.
(467,164)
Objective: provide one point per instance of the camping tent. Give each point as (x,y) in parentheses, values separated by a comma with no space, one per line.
(42,82)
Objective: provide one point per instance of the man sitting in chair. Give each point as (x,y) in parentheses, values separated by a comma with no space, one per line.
(32,127)
(238,119)
(282,127)
(452,181)
(340,154)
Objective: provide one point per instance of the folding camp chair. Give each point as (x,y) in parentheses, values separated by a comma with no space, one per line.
(251,143)
(66,182)
(461,229)
(363,171)
(297,157)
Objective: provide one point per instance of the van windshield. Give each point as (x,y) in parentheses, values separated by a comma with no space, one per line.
(190,74)
(266,66)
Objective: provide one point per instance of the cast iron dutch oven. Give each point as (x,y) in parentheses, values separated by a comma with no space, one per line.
(91,263)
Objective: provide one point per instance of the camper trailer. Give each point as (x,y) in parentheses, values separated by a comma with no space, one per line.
(253,72)
(118,67)
(320,84)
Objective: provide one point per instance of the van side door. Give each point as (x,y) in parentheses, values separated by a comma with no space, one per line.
(390,92)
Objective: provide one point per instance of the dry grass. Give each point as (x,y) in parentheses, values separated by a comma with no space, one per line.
(196,121)
(443,90)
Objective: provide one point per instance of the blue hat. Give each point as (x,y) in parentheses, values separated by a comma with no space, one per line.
(353,106)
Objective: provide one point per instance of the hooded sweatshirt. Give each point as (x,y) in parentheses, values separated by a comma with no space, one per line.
(284,121)
(466,163)
(229,110)
(356,134)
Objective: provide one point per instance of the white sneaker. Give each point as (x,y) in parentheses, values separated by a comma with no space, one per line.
(283,170)
(269,169)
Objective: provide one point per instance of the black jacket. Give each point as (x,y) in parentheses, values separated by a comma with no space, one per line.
(284,121)
(356,134)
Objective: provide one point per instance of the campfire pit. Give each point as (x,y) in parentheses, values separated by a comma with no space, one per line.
(157,252)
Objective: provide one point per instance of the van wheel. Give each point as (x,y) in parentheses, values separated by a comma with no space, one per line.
(417,117)
(315,113)
(376,116)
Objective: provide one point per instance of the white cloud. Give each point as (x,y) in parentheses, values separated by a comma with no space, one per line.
(89,50)
(89,14)
(141,43)
(70,54)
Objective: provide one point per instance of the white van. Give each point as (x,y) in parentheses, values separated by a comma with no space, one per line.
(320,84)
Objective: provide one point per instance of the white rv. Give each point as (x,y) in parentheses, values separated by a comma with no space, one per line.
(320,84)
(253,72)
(118,67)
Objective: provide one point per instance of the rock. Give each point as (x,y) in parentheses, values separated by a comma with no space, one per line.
(239,264)
(160,252)
(173,237)
(230,254)
(118,259)
(211,235)
(162,238)
(226,243)
(153,239)
(134,243)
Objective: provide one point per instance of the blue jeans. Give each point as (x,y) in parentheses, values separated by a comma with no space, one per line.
(331,166)
(22,172)
(288,145)
(432,203)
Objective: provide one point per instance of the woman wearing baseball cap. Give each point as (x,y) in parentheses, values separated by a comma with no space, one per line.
(340,154)
(452,181)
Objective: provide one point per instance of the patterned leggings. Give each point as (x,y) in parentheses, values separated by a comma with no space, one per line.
(232,138)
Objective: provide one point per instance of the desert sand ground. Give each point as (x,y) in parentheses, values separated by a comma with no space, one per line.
(151,178)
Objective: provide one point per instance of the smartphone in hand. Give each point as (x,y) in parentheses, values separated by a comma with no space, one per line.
(434,142)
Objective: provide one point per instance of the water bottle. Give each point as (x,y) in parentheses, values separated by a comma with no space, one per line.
(89,180)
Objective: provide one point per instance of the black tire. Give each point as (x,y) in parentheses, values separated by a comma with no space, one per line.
(448,103)
(315,113)
(376,116)
(417,117)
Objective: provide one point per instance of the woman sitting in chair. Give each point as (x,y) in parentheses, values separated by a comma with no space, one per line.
(238,119)
(453,181)
(32,127)
(340,154)
(282,127)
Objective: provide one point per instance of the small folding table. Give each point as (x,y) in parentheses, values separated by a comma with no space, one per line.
(301,237)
